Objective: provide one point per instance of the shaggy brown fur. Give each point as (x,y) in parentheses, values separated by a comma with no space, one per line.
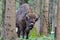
(25,20)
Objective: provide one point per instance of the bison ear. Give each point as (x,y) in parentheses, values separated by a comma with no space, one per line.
(36,19)
(27,17)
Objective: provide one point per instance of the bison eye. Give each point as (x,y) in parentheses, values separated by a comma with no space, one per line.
(27,18)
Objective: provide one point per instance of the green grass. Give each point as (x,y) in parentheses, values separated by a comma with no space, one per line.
(33,36)
(50,37)
(33,33)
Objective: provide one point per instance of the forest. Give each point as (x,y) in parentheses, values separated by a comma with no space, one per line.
(46,27)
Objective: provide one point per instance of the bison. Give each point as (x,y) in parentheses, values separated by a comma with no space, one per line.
(25,20)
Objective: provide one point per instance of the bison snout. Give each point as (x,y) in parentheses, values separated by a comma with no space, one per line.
(31,26)
(31,23)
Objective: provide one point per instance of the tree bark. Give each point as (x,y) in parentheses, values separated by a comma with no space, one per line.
(36,8)
(41,15)
(45,19)
(58,22)
(10,20)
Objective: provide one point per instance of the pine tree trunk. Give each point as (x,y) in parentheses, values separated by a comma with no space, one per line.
(45,19)
(9,20)
(58,22)
(41,15)
(37,11)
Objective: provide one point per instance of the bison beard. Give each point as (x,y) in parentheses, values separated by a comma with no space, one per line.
(25,20)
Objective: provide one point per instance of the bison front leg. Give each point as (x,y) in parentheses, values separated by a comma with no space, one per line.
(27,35)
(27,32)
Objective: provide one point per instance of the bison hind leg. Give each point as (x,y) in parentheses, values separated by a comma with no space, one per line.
(18,33)
(23,33)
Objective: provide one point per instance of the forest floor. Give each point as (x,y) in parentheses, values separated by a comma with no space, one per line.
(33,36)
(50,37)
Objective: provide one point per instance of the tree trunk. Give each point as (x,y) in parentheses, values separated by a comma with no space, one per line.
(9,20)
(36,8)
(50,15)
(45,19)
(41,15)
(58,22)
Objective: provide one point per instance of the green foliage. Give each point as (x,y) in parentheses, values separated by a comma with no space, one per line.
(1,38)
(30,2)
(50,37)
(34,36)
(1,35)
(49,28)
(33,33)
(0,13)
(17,5)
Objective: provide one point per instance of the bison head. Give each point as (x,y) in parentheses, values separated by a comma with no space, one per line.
(31,18)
